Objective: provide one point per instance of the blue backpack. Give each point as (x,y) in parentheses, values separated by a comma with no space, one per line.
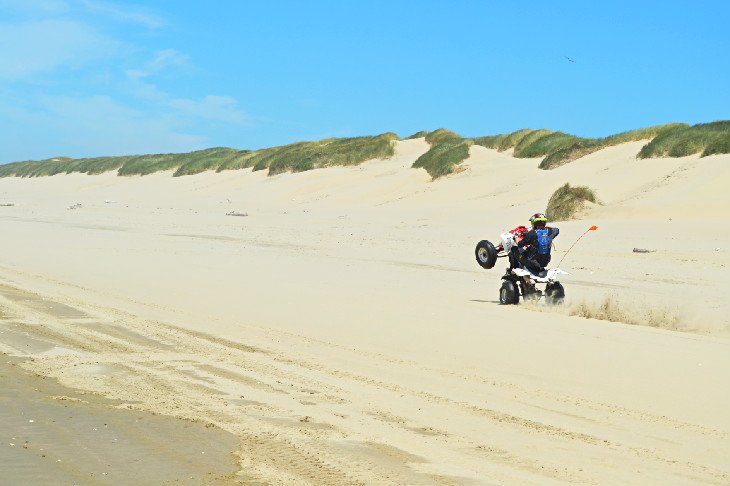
(543,242)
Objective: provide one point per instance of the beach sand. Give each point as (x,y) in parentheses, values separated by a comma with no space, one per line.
(53,435)
(342,332)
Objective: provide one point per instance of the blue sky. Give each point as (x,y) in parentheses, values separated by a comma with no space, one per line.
(96,77)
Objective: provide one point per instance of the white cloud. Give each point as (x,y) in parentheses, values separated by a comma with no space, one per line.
(126,13)
(211,107)
(167,58)
(162,60)
(215,108)
(137,112)
(99,125)
(34,47)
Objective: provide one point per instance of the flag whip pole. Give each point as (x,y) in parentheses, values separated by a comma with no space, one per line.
(592,228)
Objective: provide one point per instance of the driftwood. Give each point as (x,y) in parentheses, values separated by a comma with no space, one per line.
(642,250)
(235,213)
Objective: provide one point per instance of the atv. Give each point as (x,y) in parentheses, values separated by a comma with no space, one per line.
(516,280)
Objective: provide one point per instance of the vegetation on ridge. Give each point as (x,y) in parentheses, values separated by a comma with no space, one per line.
(566,202)
(448,149)
(558,148)
(585,146)
(704,138)
(420,134)
(295,157)
(124,165)
(301,156)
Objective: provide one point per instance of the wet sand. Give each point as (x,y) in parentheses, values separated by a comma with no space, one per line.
(50,434)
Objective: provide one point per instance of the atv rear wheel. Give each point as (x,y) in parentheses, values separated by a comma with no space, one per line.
(554,293)
(486,254)
(508,293)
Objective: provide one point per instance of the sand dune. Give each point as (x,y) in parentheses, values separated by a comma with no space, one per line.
(344,333)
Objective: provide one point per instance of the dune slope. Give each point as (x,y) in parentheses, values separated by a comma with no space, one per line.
(343,331)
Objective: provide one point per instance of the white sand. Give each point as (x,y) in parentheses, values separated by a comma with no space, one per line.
(350,337)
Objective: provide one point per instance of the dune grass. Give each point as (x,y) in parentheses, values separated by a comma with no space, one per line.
(448,149)
(441,135)
(441,158)
(567,201)
(528,143)
(506,141)
(189,163)
(558,148)
(295,157)
(704,139)
(584,146)
(302,156)
(420,134)
(204,160)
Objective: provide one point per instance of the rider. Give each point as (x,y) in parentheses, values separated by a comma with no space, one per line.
(535,245)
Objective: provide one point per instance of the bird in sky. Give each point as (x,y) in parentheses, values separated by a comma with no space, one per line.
(569,59)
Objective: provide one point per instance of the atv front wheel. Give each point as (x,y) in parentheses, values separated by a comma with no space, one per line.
(508,293)
(554,293)
(486,254)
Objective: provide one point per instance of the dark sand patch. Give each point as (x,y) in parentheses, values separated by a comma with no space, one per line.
(38,303)
(53,435)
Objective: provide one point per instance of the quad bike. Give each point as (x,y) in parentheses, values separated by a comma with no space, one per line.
(517,281)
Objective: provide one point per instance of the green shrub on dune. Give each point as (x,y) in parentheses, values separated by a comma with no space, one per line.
(558,148)
(203,160)
(505,141)
(420,134)
(544,144)
(448,149)
(527,143)
(185,164)
(441,159)
(148,164)
(97,165)
(567,201)
(704,139)
(441,135)
(302,156)
(240,161)
(585,146)
(721,145)
(61,165)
